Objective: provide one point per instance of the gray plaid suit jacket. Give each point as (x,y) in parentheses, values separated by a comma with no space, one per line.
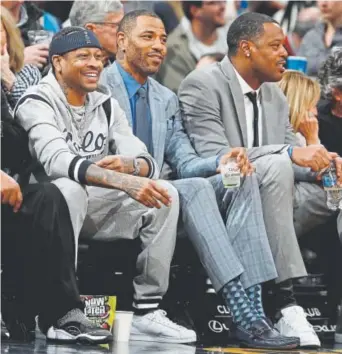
(172,148)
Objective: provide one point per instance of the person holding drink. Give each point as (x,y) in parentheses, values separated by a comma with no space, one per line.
(27,18)
(16,76)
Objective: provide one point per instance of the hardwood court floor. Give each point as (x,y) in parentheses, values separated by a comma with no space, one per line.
(40,346)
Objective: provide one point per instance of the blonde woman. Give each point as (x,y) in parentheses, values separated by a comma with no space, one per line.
(15,76)
(302,94)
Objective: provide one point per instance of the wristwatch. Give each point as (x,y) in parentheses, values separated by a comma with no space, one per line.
(136,167)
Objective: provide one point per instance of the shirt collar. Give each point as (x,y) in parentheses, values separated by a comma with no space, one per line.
(244,86)
(131,84)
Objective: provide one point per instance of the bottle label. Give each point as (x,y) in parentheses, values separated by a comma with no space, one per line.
(231,175)
(329,180)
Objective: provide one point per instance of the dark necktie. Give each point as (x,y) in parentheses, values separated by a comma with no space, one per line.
(142,130)
(253,97)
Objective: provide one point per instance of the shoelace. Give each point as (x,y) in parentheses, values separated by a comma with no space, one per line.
(162,318)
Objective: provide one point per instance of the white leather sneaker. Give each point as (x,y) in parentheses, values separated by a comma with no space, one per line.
(156,327)
(293,323)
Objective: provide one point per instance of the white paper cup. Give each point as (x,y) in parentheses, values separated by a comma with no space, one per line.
(122,348)
(122,326)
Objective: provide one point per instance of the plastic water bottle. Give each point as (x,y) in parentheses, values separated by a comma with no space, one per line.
(231,174)
(243,7)
(334,192)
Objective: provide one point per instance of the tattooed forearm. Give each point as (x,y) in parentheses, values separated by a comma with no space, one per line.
(127,163)
(144,190)
(100,177)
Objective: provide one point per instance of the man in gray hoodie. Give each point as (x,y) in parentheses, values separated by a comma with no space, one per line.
(82,140)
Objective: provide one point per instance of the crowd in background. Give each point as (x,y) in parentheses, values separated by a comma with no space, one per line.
(117,118)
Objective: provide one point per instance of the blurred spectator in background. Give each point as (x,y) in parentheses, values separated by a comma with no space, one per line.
(266,7)
(200,32)
(131,5)
(307,19)
(302,95)
(48,21)
(234,7)
(318,42)
(15,76)
(60,9)
(171,13)
(287,17)
(209,59)
(102,18)
(330,105)
(26,16)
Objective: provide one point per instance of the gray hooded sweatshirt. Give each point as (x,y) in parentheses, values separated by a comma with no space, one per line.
(65,147)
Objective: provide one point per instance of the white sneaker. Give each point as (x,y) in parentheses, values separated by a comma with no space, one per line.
(156,327)
(293,323)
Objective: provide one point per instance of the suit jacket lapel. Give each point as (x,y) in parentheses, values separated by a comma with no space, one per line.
(269,118)
(228,70)
(117,86)
(157,109)
(159,127)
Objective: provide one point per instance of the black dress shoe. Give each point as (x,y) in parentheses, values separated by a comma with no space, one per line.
(262,335)
(17,318)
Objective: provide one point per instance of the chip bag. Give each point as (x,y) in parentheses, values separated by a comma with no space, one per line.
(100,309)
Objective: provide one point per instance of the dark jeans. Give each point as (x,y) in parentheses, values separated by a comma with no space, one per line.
(38,256)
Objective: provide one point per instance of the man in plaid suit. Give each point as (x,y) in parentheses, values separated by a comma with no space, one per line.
(226,228)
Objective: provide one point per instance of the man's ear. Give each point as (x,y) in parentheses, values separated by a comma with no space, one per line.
(245,48)
(91,27)
(56,62)
(120,39)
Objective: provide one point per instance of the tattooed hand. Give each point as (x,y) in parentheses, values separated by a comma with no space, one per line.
(117,163)
(147,192)
(143,190)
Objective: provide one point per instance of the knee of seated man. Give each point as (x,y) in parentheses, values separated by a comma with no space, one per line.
(172,191)
(190,187)
(276,169)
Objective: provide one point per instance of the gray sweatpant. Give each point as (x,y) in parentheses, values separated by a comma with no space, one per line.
(107,215)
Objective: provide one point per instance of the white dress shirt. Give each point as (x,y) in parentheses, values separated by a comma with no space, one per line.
(249,110)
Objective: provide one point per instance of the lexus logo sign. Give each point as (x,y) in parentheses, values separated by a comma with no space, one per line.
(217,327)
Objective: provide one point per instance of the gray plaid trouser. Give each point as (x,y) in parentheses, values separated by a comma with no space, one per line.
(236,246)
